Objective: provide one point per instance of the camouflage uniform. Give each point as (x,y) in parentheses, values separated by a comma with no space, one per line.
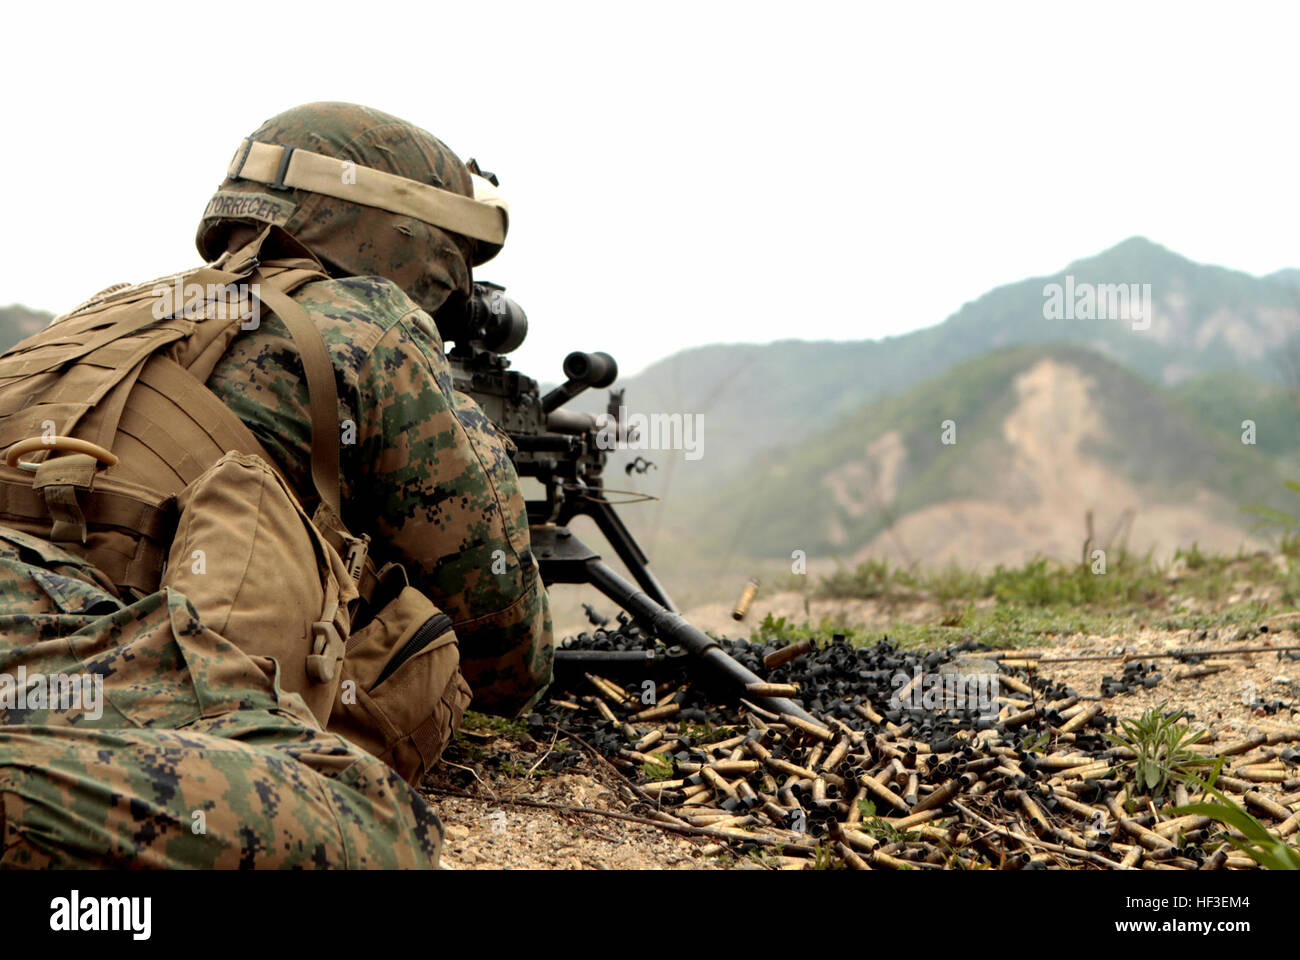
(199,758)
(426,475)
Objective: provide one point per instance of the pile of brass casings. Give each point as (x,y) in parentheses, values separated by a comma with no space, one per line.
(876,785)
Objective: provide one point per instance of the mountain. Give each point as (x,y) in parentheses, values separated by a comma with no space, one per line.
(1040,435)
(757,398)
(18,322)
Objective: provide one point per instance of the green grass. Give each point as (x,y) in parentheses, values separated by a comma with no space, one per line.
(1267,849)
(1043,600)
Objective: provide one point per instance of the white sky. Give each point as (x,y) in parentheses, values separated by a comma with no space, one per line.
(684,173)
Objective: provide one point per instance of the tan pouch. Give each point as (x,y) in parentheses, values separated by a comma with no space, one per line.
(402,694)
(260,574)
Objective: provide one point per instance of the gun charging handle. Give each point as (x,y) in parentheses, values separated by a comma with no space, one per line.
(583,370)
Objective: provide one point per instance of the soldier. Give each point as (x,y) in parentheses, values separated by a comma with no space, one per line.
(355,229)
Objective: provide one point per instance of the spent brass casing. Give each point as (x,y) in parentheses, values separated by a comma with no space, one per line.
(812,729)
(649,740)
(814,755)
(607,688)
(938,796)
(1288,826)
(718,782)
(850,856)
(903,823)
(747,596)
(1262,774)
(638,757)
(866,712)
(909,791)
(727,744)
(837,754)
(1241,746)
(734,768)
(789,769)
(855,811)
(1080,719)
(659,786)
(819,790)
(660,712)
(788,653)
(1267,805)
(883,792)
(1171,828)
(1014,683)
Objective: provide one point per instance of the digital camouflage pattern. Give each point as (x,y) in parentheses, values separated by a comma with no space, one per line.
(425,261)
(424,472)
(190,724)
(197,758)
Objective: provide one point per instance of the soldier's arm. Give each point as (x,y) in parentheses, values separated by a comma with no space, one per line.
(438,493)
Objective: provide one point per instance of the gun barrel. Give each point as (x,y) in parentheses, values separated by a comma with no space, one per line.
(673,628)
(575,421)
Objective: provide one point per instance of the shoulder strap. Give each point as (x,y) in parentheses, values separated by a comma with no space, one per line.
(321,391)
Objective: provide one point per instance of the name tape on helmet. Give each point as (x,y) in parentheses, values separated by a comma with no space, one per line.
(482,217)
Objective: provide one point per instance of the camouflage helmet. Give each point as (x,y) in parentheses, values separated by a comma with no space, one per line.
(365,192)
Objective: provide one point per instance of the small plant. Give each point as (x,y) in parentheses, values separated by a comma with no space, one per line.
(482,723)
(1161,745)
(1266,849)
(873,826)
(824,858)
(1288,523)
(1034,744)
(656,771)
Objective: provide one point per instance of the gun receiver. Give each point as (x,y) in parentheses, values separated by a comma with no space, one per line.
(565,451)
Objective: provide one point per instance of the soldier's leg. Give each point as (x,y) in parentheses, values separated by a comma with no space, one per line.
(172,720)
(176,799)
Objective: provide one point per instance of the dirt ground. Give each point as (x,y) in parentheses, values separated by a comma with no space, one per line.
(488,832)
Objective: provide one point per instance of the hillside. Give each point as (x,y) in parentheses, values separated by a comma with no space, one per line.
(18,322)
(1043,434)
(1204,319)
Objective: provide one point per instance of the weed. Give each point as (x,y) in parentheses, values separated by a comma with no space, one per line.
(1161,745)
(1266,849)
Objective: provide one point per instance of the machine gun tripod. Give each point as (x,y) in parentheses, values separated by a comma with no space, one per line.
(565,451)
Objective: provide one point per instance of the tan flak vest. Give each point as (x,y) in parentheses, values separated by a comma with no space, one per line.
(105,422)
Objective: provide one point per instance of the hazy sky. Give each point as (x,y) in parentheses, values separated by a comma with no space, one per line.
(684,173)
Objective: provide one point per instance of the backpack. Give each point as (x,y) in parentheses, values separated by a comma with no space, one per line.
(116,389)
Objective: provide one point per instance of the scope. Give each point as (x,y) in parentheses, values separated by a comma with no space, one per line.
(487,319)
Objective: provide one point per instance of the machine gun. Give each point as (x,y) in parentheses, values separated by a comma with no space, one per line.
(565,450)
